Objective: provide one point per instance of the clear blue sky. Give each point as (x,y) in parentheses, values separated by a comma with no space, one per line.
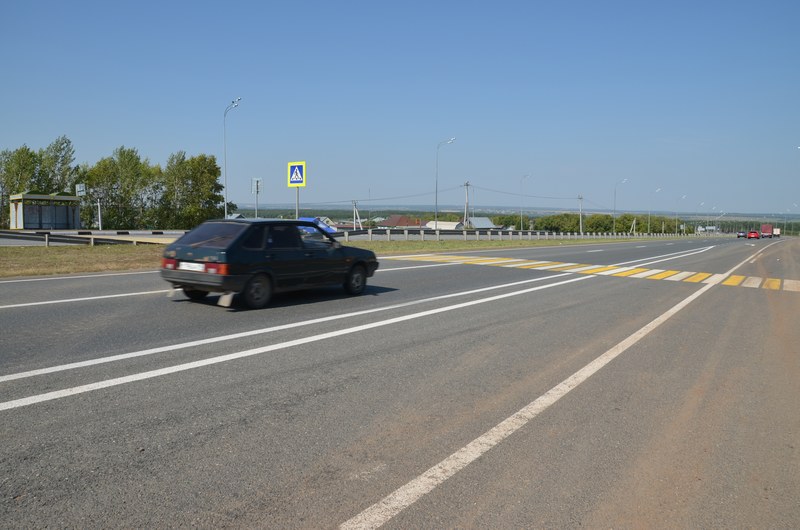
(697,98)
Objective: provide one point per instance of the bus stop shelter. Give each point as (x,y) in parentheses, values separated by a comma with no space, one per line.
(36,211)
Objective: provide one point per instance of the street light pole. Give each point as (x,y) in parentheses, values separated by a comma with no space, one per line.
(649,209)
(521,199)
(233,105)
(614,217)
(436,193)
(676,214)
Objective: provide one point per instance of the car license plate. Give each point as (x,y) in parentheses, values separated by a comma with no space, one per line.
(188,266)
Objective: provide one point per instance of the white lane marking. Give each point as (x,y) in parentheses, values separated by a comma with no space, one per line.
(791,285)
(58,394)
(680,276)
(667,257)
(384,510)
(752,281)
(77,277)
(244,334)
(591,251)
(417,267)
(46,302)
(715,279)
(28,304)
(647,273)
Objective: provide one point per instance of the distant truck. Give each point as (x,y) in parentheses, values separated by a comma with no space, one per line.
(776,232)
(766,230)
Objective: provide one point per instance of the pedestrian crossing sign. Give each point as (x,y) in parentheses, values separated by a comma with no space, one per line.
(297,174)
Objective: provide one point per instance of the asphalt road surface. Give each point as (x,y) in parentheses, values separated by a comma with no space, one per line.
(627,385)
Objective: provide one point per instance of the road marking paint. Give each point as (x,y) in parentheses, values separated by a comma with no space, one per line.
(791,285)
(772,283)
(559,266)
(415,267)
(507,263)
(51,278)
(679,277)
(666,257)
(581,268)
(662,275)
(649,272)
(752,281)
(534,264)
(262,331)
(551,265)
(734,280)
(58,394)
(599,269)
(591,251)
(630,272)
(715,279)
(571,267)
(387,508)
(697,278)
(123,295)
(615,270)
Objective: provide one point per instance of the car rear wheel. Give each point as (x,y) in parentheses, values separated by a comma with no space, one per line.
(356,280)
(194,294)
(257,292)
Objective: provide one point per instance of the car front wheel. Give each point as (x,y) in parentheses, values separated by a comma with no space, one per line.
(257,292)
(356,280)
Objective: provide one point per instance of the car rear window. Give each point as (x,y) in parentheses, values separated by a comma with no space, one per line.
(213,235)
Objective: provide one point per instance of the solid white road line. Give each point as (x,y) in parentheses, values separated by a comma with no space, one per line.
(123,295)
(384,510)
(244,334)
(50,278)
(58,394)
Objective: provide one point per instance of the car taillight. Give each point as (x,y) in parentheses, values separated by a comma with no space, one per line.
(217,268)
(168,263)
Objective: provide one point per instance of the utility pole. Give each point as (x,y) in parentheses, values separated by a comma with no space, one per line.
(466,203)
(580,213)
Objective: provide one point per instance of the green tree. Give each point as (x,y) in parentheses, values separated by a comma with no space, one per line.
(190,192)
(17,170)
(56,172)
(126,187)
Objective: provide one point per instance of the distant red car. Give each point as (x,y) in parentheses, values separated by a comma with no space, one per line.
(753,234)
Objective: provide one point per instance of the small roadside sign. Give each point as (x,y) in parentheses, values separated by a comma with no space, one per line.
(80,190)
(297,174)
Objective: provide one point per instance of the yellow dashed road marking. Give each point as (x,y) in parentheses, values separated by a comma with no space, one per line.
(629,273)
(662,275)
(599,269)
(734,280)
(775,284)
(697,278)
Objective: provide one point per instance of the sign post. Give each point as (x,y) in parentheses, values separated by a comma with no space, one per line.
(296,178)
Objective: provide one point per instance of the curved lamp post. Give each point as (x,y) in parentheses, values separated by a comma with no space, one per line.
(233,105)
(614,217)
(436,194)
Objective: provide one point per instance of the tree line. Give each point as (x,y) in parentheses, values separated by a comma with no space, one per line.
(132,192)
(594,223)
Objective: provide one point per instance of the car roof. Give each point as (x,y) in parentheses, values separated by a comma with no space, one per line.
(263,221)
